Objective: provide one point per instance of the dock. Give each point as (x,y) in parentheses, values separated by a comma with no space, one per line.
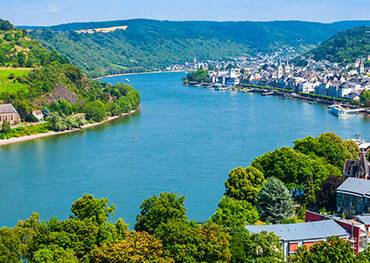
(339,110)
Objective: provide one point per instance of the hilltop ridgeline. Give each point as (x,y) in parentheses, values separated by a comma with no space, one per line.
(152,44)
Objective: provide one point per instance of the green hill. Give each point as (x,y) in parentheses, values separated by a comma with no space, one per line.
(34,78)
(152,44)
(344,47)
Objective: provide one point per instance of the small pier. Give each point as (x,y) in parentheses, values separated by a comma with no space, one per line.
(339,110)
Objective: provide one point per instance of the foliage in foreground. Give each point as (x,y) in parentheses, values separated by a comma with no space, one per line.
(163,232)
(334,250)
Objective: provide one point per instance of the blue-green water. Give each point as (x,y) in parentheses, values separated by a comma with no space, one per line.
(185,140)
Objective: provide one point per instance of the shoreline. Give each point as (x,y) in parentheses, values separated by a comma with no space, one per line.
(54,133)
(282,93)
(138,73)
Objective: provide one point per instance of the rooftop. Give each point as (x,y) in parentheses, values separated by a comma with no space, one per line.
(355,186)
(364,219)
(7,108)
(302,231)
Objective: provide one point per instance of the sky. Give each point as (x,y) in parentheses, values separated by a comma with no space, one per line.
(51,12)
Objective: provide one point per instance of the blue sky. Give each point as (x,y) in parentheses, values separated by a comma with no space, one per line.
(46,12)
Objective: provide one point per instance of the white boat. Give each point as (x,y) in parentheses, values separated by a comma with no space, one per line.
(221,88)
(339,110)
(268,93)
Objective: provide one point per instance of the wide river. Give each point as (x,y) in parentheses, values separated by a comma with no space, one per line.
(185,140)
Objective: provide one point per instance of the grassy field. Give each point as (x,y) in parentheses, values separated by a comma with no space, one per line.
(8,82)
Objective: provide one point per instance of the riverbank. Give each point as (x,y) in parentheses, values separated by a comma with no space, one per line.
(54,133)
(285,93)
(139,73)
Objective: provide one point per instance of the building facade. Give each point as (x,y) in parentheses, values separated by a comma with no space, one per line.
(359,168)
(353,197)
(293,236)
(9,113)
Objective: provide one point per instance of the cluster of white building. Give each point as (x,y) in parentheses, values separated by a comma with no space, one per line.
(321,78)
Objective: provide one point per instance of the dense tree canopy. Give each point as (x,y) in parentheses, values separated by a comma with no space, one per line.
(260,248)
(334,250)
(89,207)
(160,209)
(234,213)
(301,173)
(199,75)
(187,241)
(329,147)
(181,240)
(244,184)
(137,247)
(5,25)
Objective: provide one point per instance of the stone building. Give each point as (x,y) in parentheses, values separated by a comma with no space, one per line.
(359,168)
(9,113)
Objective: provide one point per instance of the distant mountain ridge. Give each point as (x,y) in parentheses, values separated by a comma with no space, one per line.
(153,44)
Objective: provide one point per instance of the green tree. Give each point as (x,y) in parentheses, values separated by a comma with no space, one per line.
(123,104)
(160,209)
(92,208)
(199,75)
(244,184)
(54,254)
(334,250)
(5,25)
(233,213)
(62,106)
(301,173)
(5,127)
(138,247)
(365,98)
(16,244)
(214,243)
(275,201)
(327,195)
(186,241)
(95,111)
(21,58)
(328,146)
(56,122)
(260,248)
(181,240)
(10,246)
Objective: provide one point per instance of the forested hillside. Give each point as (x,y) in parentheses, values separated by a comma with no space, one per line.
(152,44)
(344,47)
(34,78)
(17,49)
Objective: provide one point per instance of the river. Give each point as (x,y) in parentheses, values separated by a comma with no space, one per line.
(184,140)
